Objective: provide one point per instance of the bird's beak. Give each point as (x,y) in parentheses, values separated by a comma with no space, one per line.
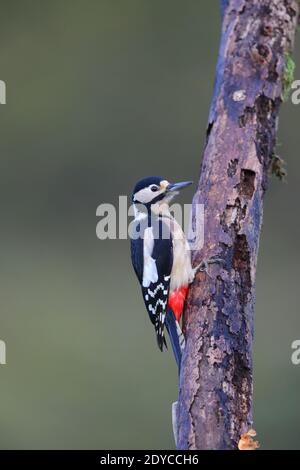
(178,186)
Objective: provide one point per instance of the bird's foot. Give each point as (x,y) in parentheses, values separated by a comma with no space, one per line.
(203,266)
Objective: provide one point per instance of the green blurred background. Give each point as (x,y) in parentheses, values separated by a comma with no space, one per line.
(100,93)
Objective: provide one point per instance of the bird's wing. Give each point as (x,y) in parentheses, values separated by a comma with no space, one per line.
(156,282)
(152,259)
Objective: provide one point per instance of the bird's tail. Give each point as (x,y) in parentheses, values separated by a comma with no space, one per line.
(176,336)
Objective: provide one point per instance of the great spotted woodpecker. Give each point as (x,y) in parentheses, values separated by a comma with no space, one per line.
(161,258)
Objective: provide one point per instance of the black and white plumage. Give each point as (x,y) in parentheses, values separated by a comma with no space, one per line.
(152,260)
(161,262)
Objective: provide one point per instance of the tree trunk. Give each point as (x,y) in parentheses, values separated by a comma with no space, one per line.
(215,396)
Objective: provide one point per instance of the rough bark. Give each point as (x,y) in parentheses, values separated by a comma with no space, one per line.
(215,396)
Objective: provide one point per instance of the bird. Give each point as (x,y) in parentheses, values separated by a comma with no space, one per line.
(161,258)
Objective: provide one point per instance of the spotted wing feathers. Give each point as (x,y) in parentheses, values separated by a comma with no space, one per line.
(152,258)
(156,301)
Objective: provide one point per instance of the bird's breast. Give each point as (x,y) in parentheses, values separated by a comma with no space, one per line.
(182,272)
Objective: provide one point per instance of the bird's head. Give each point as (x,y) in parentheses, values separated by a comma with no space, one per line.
(156,191)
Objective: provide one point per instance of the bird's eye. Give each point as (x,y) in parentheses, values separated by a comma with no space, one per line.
(154,188)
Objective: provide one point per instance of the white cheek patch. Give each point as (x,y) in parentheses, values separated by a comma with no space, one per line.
(146,195)
(150,271)
(143,196)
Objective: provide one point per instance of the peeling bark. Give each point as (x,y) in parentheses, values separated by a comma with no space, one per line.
(215,396)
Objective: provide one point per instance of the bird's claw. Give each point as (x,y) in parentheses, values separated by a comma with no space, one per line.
(203,266)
